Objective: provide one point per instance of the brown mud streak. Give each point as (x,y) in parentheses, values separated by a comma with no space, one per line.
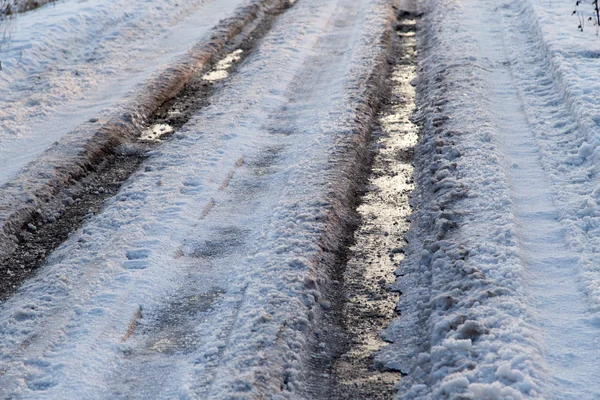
(133,324)
(342,363)
(57,203)
(238,163)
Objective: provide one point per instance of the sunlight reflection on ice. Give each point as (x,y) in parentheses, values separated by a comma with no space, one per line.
(221,69)
(155,132)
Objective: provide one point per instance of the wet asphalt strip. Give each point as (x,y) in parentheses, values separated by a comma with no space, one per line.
(52,209)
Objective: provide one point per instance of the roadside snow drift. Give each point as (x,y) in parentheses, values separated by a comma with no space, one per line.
(500,294)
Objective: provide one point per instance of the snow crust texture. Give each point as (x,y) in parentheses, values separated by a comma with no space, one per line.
(202,278)
(501,270)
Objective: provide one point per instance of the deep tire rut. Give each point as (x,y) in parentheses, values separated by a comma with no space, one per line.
(84,195)
(344,361)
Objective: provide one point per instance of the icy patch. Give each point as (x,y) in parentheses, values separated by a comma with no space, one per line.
(156,132)
(379,241)
(221,70)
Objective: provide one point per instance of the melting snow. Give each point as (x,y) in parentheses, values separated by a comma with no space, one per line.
(221,69)
(156,132)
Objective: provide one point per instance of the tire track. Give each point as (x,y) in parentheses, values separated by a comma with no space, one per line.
(379,242)
(531,156)
(230,296)
(41,208)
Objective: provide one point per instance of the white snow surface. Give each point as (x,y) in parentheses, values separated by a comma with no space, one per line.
(501,276)
(74,60)
(198,279)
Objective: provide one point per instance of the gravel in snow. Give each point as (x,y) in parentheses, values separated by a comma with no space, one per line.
(200,278)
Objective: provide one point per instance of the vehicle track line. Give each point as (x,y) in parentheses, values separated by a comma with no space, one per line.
(550,267)
(56,192)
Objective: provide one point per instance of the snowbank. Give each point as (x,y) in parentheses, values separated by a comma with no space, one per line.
(503,248)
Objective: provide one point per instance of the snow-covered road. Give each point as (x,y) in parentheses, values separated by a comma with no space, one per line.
(572,341)
(213,272)
(200,279)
